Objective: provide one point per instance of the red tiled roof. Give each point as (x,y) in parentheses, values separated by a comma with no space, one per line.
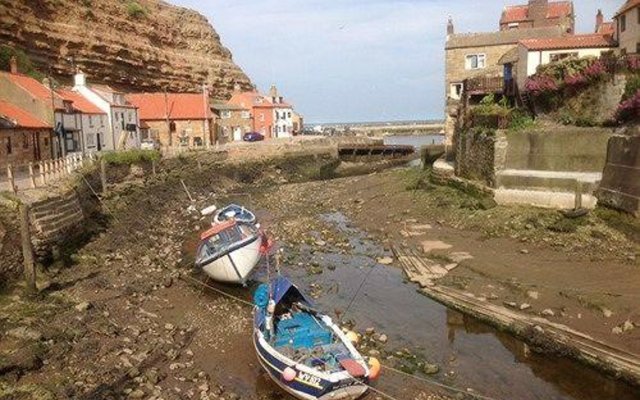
(630,4)
(255,99)
(155,106)
(80,103)
(607,28)
(569,42)
(520,13)
(31,85)
(22,118)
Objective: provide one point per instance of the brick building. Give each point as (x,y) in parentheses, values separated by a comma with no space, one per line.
(231,122)
(23,136)
(175,119)
(539,14)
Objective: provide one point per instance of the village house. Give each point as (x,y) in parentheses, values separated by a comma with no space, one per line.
(175,119)
(34,97)
(282,114)
(298,123)
(82,124)
(538,14)
(122,117)
(24,137)
(604,28)
(484,62)
(232,122)
(535,52)
(270,115)
(627,22)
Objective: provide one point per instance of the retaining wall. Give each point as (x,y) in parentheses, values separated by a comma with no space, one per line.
(620,187)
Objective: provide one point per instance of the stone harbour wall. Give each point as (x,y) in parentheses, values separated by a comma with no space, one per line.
(480,154)
(620,186)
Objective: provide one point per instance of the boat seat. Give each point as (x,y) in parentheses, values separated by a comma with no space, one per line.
(301,331)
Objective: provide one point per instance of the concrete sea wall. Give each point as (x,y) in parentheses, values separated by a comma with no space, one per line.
(620,187)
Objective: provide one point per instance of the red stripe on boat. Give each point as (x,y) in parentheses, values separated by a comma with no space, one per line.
(217,228)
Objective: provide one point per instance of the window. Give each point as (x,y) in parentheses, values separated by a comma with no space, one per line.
(25,141)
(226,114)
(91,140)
(455,91)
(289,114)
(623,23)
(102,121)
(262,117)
(130,117)
(562,56)
(122,120)
(245,115)
(46,142)
(638,47)
(513,25)
(9,147)
(172,126)
(475,61)
(91,121)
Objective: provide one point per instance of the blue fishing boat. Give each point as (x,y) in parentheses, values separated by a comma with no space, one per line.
(234,211)
(304,351)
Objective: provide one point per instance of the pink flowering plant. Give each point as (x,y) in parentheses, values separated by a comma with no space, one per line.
(629,109)
(541,84)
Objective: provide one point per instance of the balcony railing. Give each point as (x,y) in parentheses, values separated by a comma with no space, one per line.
(490,84)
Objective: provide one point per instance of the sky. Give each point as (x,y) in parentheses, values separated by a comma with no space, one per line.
(357,60)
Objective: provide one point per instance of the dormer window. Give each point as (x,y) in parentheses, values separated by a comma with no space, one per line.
(68,106)
(280,100)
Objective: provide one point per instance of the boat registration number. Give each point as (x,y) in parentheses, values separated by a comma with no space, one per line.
(308,378)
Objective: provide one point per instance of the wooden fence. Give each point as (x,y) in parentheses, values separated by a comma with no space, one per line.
(42,173)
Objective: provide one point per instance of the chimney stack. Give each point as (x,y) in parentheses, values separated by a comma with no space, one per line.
(599,20)
(13,65)
(273,93)
(80,79)
(236,88)
(450,28)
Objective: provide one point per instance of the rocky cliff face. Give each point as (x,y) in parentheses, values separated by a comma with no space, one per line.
(143,45)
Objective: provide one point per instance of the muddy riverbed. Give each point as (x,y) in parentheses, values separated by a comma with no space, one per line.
(150,333)
(352,286)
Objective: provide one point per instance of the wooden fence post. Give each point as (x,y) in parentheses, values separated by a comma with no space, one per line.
(27,251)
(578,199)
(103,174)
(11,179)
(32,176)
(153,167)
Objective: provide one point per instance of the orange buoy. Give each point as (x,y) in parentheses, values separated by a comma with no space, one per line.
(374,368)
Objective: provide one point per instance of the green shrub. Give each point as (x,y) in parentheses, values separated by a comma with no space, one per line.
(131,157)
(520,120)
(632,87)
(135,10)
(25,65)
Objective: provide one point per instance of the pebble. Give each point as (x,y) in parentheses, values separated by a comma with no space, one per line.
(25,333)
(532,294)
(136,394)
(525,306)
(383,338)
(607,313)
(82,307)
(431,369)
(627,326)
(524,251)
(511,304)
(169,326)
(547,312)
(385,260)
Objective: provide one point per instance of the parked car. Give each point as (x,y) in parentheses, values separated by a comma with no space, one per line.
(253,137)
(150,144)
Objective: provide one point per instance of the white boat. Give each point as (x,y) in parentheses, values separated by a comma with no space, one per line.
(229,251)
(234,211)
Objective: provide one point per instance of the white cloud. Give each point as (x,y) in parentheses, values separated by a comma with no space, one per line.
(344,60)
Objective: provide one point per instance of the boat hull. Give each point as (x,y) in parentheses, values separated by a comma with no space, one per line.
(306,386)
(237,265)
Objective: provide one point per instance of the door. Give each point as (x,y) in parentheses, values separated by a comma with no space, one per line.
(237,134)
(99,141)
(35,137)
